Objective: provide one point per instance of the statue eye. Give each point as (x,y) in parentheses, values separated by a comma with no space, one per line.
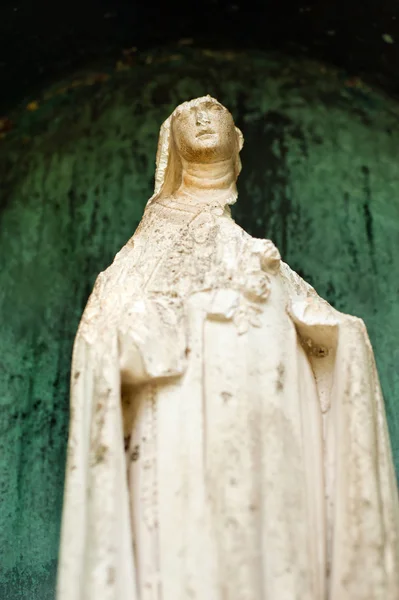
(181,116)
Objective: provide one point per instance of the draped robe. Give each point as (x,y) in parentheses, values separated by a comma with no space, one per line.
(228,439)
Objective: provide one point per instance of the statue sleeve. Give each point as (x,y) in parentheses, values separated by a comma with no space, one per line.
(96,551)
(150,329)
(120,335)
(152,340)
(359,472)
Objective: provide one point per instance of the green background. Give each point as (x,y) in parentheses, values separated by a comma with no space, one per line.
(320,178)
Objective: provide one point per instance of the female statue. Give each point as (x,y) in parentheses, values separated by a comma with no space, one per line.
(228,439)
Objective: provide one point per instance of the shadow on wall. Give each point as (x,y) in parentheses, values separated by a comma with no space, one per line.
(319,178)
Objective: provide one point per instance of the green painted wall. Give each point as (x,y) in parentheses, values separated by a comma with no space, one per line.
(320,178)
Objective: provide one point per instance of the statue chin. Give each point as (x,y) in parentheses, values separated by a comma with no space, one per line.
(228,435)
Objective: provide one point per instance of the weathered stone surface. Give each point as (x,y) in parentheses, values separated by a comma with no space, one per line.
(320,173)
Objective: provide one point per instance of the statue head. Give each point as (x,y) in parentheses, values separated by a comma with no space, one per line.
(199,131)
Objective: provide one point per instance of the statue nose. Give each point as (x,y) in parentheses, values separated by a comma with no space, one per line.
(202,118)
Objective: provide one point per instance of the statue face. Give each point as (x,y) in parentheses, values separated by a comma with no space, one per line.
(204,131)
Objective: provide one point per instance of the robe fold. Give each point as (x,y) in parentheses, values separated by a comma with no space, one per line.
(228,439)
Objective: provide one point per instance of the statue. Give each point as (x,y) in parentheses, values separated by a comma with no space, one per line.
(228,439)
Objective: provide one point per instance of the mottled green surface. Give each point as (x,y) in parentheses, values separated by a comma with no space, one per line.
(320,178)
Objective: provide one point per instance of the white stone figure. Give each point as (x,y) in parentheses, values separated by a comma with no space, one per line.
(228,439)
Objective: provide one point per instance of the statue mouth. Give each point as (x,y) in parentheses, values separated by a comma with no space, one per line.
(204,132)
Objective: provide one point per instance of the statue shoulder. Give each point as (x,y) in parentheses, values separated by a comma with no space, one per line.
(115,273)
(294,284)
(304,301)
(108,291)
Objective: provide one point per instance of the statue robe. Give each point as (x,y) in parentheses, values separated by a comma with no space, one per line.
(228,439)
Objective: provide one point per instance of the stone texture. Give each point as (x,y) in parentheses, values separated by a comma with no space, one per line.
(320,173)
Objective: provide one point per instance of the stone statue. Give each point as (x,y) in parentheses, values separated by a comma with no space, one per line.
(228,439)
